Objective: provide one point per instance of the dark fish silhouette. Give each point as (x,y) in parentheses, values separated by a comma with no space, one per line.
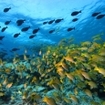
(3,29)
(95,14)
(20,22)
(50,22)
(15,49)
(16,35)
(25,29)
(51,31)
(31,36)
(58,20)
(1,37)
(6,9)
(75,13)
(7,22)
(75,19)
(45,22)
(70,29)
(35,31)
(100,16)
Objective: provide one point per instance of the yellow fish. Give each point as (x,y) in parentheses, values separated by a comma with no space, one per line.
(49,100)
(92,84)
(88,92)
(74,98)
(70,76)
(9,85)
(2,94)
(100,70)
(85,75)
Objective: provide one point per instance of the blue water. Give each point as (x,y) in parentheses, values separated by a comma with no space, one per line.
(35,12)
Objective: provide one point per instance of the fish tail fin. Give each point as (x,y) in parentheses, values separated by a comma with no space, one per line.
(80,11)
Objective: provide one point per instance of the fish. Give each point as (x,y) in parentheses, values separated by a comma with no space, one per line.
(16,35)
(100,70)
(74,98)
(88,92)
(7,22)
(68,58)
(60,71)
(7,70)
(45,23)
(86,43)
(25,29)
(1,62)
(25,57)
(92,84)
(75,19)
(3,29)
(85,75)
(58,20)
(15,60)
(31,36)
(70,29)
(95,14)
(20,22)
(2,94)
(100,16)
(15,49)
(34,97)
(6,9)
(62,64)
(1,37)
(9,85)
(49,100)
(35,31)
(67,100)
(51,21)
(79,76)
(40,52)
(76,91)
(70,76)
(97,36)
(75,13)
(51,31)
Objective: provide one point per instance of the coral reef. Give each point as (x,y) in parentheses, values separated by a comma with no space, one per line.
(65,74)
